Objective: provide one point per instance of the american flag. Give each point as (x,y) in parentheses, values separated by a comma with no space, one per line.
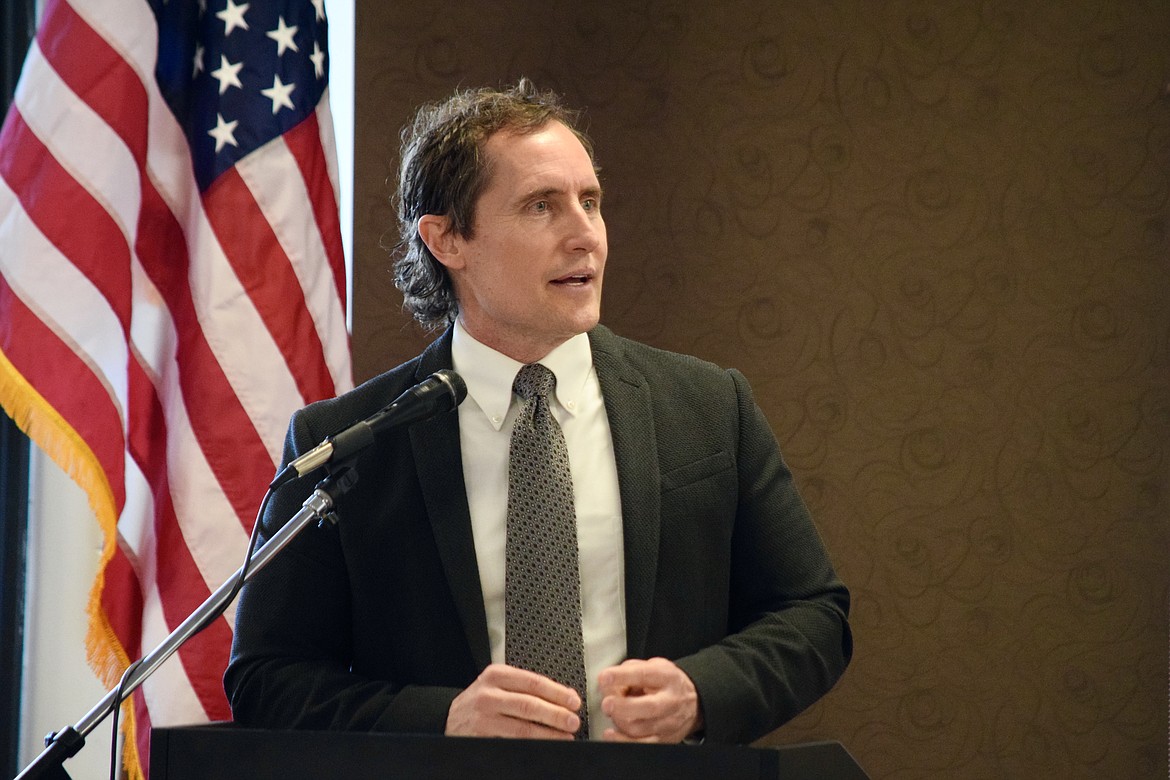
(172,288)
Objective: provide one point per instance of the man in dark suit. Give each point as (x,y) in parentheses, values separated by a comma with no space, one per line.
(708,605)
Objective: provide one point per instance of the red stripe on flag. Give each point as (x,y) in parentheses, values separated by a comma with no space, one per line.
(96,73)
(142,727)
(182,587)
(304,141)
(182,590)
(67,383)
(266,274)
(122,602)
(67,214)
(237,456)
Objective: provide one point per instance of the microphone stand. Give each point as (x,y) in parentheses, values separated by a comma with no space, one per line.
(66,743)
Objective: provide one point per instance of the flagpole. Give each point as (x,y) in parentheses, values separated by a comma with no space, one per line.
(64,744)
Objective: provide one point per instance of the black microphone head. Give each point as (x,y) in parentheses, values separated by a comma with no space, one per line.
(440,392)
(454,384)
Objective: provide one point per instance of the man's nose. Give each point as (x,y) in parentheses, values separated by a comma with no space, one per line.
(585,229)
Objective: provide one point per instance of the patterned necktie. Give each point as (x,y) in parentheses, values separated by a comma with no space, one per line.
(542,590)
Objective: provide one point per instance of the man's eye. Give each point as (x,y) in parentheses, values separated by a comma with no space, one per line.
(590,204)
(540,206)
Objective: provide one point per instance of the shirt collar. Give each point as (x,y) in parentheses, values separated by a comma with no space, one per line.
(489,374)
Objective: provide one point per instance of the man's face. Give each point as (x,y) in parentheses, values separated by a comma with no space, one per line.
(530,276)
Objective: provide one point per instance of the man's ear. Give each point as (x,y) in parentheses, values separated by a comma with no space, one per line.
(435,231)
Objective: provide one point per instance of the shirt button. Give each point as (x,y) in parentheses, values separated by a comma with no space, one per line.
(570,404)
(496,420)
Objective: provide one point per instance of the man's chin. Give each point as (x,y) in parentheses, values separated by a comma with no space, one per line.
(588,323)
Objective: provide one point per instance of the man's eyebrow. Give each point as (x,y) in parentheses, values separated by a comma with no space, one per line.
(543,192)
(547,192)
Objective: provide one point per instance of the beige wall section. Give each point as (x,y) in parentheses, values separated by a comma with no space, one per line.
(934,236)
(57,686)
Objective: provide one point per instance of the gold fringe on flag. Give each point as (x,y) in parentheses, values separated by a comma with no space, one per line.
(58,439)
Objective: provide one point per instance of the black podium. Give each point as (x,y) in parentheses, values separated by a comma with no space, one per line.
(225,752)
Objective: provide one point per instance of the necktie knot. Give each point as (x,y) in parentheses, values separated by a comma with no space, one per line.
(534,381)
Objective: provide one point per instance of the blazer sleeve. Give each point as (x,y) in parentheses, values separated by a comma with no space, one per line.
(789,639)
(291,661)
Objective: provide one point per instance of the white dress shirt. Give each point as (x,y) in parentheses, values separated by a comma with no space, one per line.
(485,430)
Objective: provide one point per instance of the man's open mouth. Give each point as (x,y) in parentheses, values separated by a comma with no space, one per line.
(574,280)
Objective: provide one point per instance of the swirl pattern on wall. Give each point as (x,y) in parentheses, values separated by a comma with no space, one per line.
(934,235)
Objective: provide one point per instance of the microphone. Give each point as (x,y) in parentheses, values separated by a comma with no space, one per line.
(441,392)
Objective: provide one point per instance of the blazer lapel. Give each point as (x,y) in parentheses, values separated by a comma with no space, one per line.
(439,463)
(627,403)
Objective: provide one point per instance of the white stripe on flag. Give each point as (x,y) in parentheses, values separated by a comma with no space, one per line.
(238,336)
(71,131)
(272,175)
(63,298)
(168,693)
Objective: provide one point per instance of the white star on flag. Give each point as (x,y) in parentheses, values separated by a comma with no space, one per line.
(233,17)
(279,93)
(227,74)
(223,132)
(318,58)
(283,35)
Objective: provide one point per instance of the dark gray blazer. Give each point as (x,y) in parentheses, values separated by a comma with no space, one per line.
(378,624)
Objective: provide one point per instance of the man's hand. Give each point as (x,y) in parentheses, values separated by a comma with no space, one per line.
(649,701)
(508,702)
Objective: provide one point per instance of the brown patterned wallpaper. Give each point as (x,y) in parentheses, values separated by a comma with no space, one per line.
(935,237)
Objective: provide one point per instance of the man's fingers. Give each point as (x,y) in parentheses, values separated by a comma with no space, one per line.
(635,676)
(636,708)
(532,709)
(508,702)
(511,678)
(649,701)
(642,717)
